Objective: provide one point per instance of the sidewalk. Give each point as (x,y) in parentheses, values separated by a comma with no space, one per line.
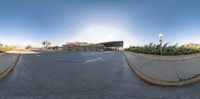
(165,70)
(22,51)
(7,62)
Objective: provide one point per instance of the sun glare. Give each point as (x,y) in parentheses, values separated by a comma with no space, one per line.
(102,33)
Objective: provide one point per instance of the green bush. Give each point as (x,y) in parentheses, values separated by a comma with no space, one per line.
(166,50)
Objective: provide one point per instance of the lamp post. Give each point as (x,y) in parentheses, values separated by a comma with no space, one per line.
(160,40)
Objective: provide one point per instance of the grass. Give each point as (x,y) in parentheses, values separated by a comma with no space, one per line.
(6,48)
(166,50)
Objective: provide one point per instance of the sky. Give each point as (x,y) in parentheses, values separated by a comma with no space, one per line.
(136,22)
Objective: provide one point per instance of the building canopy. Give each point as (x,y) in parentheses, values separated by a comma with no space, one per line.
(113,44)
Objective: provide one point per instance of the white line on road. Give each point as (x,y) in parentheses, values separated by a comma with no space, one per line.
(93,60)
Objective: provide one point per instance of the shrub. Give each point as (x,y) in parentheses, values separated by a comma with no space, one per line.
(166,50)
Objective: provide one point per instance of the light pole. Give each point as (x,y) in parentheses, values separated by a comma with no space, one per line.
(160,40)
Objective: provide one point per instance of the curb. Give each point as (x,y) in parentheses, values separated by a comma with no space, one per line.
(1,54)
(9,68)
(161,83)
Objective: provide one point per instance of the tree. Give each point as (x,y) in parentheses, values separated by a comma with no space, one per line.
(46,44)
(28,47)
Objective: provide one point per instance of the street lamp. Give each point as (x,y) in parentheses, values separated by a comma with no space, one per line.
(160,40)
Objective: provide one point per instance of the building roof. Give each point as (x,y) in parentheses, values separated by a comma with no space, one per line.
(113,44)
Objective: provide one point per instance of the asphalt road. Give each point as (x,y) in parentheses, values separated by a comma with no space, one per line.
(88,75)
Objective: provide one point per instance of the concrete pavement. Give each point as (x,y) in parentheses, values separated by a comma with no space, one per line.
(166,70)
(7,61)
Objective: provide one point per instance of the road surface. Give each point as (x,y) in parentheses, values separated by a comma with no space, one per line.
(83,75)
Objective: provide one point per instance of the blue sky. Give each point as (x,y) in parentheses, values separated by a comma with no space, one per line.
(137,22)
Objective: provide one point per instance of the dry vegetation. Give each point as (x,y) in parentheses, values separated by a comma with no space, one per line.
(6,48)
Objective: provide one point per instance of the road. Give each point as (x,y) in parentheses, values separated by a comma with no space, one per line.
(78,75)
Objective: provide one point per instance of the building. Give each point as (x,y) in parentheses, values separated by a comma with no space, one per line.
(83,46)
(113,45)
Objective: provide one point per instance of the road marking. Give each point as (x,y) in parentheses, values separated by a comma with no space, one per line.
(93,60)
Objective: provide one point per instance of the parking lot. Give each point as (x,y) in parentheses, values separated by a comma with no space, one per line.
(82,75)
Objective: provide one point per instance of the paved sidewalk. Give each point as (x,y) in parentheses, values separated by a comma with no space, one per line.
(165,68)
(22,51)
(6,61)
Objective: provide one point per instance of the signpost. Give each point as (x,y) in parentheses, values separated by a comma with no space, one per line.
(160,40)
